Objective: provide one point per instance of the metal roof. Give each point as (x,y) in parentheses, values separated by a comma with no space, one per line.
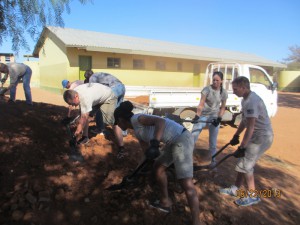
(104,42)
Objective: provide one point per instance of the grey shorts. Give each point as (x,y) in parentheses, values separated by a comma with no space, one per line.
(107,110)
(181,154)
(256,147)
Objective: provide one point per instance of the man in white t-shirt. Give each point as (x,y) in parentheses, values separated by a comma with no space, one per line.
(71,85)
(89,97)
(257,139)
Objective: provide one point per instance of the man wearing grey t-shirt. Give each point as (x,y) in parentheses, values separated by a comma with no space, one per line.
(257,139)
(17,71)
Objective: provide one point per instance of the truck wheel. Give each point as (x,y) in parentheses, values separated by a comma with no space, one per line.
(187,114)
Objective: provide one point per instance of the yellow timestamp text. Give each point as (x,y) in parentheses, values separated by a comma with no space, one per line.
(264,193)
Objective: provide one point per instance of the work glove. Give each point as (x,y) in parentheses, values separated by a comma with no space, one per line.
(195,120)
(65,121)
(3,91)
(153,151)
(235,140)
(239,153)
(217,121)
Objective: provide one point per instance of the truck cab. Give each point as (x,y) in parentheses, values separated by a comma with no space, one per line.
(260,82)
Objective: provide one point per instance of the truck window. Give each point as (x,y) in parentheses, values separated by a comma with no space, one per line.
(258,76)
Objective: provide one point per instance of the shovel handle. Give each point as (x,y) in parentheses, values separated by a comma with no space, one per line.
(222,149)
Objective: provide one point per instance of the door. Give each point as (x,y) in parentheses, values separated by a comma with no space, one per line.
(85,63)
(261,84)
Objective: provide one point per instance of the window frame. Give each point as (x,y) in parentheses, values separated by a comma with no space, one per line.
(113,62)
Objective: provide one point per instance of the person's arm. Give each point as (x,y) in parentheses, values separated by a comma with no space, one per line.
(82,122)
(222,108)
(157,122)
(249,131)
(201,104)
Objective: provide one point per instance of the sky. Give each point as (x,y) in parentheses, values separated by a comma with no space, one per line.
(266,28)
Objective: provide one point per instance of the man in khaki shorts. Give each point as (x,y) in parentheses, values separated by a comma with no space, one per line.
(89,97)
(257,139)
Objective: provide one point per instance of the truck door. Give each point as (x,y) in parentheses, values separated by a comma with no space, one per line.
(261,84)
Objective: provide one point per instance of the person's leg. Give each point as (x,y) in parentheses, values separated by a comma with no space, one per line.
(119,92)
(240,179)
(197,128)
(162,182)
(256,147)
(26,85)
(192,198)
(13,90)
(213,136)
(182,152)
(107,110)
(99,120)
(119,135)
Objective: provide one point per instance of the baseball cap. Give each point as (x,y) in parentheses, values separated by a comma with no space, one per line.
(64,83)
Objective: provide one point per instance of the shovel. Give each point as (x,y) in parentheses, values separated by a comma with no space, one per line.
(75,154)
(128,180)
(240,152)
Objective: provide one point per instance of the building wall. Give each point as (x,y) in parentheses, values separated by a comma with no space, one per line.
(149,76)
(35,78)
(54,64)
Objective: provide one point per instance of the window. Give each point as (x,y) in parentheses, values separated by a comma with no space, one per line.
(179,66)
(7,58)
(113,62)
(258,76)
(138,64)
(160,65)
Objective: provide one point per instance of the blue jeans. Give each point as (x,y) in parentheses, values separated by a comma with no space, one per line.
(26,86)
(213,132)
(119,92)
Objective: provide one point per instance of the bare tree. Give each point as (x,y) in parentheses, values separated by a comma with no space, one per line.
(18,17)
(294,56)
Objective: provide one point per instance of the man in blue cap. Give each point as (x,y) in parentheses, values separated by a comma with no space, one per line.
(68,85)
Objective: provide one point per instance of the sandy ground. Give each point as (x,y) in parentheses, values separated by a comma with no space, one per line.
(39,185)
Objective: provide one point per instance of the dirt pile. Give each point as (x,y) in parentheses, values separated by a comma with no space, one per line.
(40,185)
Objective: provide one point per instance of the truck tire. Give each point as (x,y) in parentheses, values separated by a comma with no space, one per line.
(187,114)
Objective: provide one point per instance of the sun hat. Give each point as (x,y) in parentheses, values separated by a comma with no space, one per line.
(64,83)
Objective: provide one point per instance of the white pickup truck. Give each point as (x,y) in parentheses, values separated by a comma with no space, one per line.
(182,101)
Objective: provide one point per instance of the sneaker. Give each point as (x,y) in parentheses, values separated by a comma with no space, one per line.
(84,140)
(229,191)
(247,201)
(156,204)
(76,157)
(124,133)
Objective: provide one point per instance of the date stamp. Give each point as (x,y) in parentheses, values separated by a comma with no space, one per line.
(264,193)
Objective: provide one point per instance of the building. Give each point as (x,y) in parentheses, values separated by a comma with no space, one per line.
(66,53)
(7,57)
